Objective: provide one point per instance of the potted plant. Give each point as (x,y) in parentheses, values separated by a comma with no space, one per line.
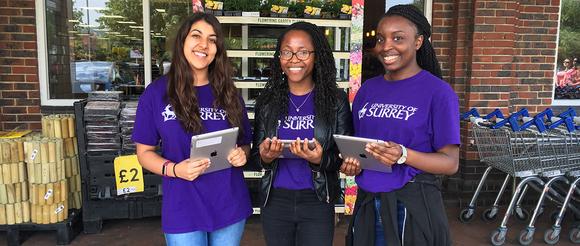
(278,8)
(214,7)
(296,9)
(250,7)
(345,9)
(331,9)
(233,7)
(313,9)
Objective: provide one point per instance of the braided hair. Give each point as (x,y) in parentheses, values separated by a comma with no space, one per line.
(426,57)
(275,92)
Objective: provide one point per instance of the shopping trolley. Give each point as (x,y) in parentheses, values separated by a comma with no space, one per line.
(531,155)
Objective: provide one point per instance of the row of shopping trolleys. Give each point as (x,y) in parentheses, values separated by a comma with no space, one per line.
(540,152)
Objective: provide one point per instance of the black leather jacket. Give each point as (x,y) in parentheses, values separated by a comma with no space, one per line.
(325,175)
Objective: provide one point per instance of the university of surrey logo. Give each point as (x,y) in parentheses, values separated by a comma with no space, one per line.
(168,114)
(362,111)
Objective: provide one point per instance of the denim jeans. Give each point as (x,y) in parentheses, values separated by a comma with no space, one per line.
(297,217)
(228,236)
(379,232)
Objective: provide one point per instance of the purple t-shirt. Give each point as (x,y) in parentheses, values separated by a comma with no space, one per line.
(420,112)
(295,173)
(210,202)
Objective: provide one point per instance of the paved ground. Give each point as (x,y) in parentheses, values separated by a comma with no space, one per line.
(147,232)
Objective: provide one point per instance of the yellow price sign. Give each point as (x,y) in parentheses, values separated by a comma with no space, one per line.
(128,175)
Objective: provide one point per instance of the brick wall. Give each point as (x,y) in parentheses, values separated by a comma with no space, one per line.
(19,87)
(498,54)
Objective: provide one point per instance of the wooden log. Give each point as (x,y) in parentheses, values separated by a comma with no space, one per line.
(2,214)
(26,212)
(57,195)
(46,211)
(25,196)
(17,192)
(68,167)
(54,212)
(52,151)
(52,172)
(10,220)
(20,142)
(1,152)
(49,195)
(69,147)
(18,213)
(60,149)
(6,152)
(63,190)
(78,182)
(45,126)
(6,172)
(41,189)
(13,151)
(50,128)
(34,213)
(60,169)
(57,128)
(71,126)
(22,172)
(38,173)
(10,193)
(3,194)
(2,174)
(75,165)
(44,151)
(76,146)
(64,127)
(45,178)
(14,172)
(33,194)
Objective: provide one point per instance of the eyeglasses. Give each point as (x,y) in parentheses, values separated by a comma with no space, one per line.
(566,61)
(301,55)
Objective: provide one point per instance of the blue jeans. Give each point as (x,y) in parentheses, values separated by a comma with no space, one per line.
(379,232)
(229,235)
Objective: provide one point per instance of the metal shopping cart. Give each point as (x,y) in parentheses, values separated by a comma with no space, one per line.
(532,155)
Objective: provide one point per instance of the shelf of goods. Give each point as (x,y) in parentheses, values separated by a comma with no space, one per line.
(251,43)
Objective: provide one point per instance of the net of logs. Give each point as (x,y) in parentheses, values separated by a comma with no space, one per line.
(58,126)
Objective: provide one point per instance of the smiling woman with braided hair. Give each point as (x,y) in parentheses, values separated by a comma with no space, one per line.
(415,113)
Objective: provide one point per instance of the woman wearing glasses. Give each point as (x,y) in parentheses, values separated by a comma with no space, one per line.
(300,102)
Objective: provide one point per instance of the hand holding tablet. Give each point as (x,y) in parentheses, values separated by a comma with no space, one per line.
(355,147)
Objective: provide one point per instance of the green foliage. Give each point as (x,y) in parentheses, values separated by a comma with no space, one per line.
(297,8)
(569,44)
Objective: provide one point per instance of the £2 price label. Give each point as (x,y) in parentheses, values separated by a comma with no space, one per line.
(128,175)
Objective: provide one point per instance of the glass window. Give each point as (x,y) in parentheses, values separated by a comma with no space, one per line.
(92,46)
(567,69)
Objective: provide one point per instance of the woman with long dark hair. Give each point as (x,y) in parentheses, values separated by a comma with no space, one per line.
(197,96)
(415,113)
(300,102)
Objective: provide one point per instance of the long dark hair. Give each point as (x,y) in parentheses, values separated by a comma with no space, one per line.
(426,57)
(180,89)
(276,90)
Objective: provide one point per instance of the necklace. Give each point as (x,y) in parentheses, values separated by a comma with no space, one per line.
(303,102)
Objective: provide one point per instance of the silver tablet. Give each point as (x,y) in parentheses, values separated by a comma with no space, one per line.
(355,147)
(286,153)
(215,146)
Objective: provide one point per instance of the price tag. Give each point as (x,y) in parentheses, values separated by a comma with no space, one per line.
(128,175)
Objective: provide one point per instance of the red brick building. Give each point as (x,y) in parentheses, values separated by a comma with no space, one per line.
(495,54)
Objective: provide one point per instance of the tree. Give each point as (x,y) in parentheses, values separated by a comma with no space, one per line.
(569,44)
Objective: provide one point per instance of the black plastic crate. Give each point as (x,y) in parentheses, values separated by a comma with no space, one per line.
(65,230)
(94,212)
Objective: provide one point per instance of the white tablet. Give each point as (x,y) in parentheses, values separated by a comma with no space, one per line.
(215,146)
(355,147)
(286,153)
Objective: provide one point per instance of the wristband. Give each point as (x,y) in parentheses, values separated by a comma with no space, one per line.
(163,169)
(174,174)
